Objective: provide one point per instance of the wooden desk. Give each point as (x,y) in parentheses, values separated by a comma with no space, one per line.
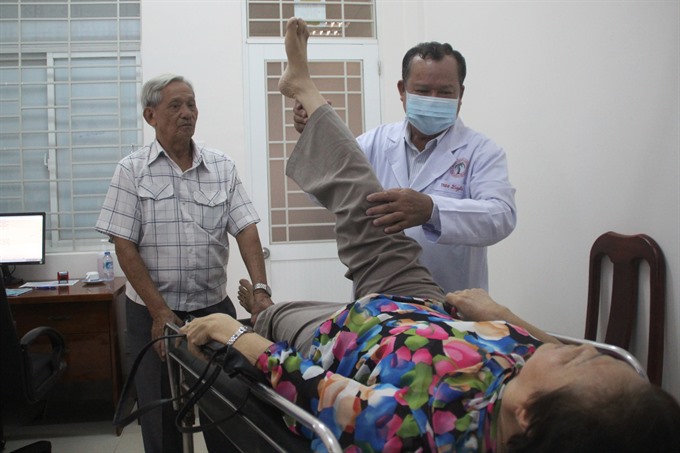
(86,317)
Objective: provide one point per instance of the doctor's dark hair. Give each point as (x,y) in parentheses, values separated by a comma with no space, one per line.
(434,51)
(641,418)
(151,92)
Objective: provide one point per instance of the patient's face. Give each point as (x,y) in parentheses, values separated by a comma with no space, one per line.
(554,366)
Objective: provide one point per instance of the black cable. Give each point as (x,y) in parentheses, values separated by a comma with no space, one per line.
(200,391)
(197,390)
(120,423)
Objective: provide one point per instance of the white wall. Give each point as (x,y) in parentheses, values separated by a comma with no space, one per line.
(583,96)
(203,41)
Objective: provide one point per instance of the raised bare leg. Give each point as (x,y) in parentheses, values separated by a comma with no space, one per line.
(296,82)
(329,164)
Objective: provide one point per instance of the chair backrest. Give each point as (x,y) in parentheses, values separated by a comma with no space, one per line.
(10,351)
(626,253)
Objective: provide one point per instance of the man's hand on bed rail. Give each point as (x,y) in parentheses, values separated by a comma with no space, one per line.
(160,319)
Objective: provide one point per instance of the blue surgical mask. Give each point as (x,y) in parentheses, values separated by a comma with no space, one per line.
(431,115)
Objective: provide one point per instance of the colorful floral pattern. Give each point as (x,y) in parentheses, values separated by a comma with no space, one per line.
(398,374)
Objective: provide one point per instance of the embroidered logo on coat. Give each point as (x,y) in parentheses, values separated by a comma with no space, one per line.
(459,168)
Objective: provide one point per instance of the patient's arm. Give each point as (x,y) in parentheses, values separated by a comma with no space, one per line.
(477,305)
(220,327)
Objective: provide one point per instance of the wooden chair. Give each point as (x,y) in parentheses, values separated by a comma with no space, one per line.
(626,253)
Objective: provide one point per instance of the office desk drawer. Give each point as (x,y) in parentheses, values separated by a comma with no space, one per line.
(73,318)
(88,357)
(85,327)
(86,316)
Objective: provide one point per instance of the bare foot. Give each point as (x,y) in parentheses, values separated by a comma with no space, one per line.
(252,304)
(296,82)
(245,294)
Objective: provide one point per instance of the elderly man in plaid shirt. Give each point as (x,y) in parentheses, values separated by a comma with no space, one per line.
(170,208)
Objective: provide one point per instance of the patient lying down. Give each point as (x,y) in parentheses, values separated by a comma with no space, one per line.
(419,370)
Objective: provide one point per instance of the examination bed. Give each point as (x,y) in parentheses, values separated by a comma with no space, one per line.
(247,411)
(254,412)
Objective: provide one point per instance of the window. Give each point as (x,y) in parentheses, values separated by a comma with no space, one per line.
(342,52)
(294,218)
(69,110)
(326,18)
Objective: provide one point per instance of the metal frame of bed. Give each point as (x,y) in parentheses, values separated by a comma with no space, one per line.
(255,412)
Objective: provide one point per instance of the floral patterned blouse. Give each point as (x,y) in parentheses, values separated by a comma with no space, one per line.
(400,374)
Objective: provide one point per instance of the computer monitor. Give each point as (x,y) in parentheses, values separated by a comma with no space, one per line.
(22,241)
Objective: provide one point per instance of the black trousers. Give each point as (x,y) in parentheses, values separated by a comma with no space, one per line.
(152,383)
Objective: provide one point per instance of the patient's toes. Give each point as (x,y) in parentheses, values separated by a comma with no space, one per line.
(245,294)
(296,74)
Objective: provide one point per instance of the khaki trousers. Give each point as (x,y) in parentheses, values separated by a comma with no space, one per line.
(328,164)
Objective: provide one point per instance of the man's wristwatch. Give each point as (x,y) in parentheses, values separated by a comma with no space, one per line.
(264,287)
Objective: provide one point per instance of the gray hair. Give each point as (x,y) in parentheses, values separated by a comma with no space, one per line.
(151,93)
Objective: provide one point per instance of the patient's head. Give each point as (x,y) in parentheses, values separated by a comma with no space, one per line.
(573,419)
(575,399)
(553,366)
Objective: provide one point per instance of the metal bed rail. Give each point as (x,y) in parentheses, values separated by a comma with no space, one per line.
(608,349)
(256,422)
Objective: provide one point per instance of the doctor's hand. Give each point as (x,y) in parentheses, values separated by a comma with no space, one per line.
(398,209)
(300,116)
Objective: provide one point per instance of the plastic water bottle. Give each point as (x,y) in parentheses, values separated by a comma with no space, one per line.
(108,267)
(104,245)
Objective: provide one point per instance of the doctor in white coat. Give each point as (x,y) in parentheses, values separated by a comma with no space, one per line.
(447,186)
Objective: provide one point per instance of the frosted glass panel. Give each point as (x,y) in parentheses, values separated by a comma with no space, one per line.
(67,116)
(326,18)
(294,217)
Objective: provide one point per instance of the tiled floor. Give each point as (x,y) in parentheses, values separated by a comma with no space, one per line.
(75,420)
(91,437)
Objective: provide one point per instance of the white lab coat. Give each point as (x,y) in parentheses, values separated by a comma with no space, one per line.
(467,178)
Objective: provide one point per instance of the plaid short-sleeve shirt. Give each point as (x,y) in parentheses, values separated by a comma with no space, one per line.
(180,221)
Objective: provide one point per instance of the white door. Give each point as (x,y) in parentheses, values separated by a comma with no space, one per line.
(302,262)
